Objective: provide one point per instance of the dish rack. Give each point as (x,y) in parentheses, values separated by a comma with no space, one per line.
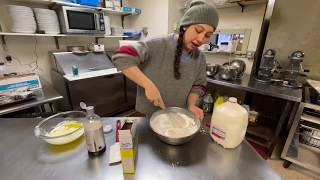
(302,146)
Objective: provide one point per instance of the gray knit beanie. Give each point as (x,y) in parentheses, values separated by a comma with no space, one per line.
(200,12)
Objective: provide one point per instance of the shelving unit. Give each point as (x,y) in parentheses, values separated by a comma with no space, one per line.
(240,3)
(219,53)
(304,137)
(52,3)
(262,132)
(56,37)
(60,35)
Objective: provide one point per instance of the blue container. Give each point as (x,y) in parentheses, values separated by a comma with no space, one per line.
(75,70)
(95,3)
(127,9)
(71,1)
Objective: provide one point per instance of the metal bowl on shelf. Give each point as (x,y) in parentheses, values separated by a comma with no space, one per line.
(173,113)
(212,70)
(239,65)
(61,128)
(227,72)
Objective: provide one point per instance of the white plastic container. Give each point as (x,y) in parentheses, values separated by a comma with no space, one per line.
(229,123)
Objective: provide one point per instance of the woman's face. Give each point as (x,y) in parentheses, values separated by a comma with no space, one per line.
(197,34)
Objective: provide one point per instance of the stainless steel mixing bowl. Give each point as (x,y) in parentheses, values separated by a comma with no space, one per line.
(227,72)
(240,65)
(170,140)
(212,70)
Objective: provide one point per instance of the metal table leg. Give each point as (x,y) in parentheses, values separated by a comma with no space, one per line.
(51,107)
(283,117)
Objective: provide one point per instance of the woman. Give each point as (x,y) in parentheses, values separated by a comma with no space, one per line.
(171,71)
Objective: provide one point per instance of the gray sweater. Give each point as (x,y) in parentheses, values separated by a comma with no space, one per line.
(155,58)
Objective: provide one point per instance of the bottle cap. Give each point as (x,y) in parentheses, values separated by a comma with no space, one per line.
(233,100)
(90,109)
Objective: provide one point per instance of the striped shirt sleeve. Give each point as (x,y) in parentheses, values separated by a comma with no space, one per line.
(200,83)
(130,55)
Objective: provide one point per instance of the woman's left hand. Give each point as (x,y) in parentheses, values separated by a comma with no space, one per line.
(196,111)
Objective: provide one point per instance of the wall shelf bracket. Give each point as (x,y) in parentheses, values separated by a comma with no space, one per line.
(241,5)
(3,43)
(56,41)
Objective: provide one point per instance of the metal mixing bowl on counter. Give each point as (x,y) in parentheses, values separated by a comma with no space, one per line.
(241,67)
(238,66)
(227,72)
(212,70)
(174,125)
(61,128)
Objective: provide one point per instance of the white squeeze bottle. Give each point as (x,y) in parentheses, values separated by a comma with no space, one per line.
(229,123)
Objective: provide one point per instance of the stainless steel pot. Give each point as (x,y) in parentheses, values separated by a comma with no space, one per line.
(170,140)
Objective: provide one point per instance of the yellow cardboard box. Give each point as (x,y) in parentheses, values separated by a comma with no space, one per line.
(128,146)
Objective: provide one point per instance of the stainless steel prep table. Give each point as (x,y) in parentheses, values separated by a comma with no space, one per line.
(291,96)
(44,96)
(26,157)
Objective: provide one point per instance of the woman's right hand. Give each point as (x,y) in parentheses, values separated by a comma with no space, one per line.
(152,92)
(153,95)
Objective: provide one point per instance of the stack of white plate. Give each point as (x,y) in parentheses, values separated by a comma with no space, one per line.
(20,19)
(47,20)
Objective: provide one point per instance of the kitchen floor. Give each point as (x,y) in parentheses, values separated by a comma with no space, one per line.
(294,172)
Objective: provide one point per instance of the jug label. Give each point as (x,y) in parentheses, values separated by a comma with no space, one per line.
(218,133)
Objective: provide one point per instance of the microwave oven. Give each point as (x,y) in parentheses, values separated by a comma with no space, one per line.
(81,20)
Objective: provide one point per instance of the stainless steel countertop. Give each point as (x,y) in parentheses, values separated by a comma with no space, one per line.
(46,95)
(249,84)
(23,156)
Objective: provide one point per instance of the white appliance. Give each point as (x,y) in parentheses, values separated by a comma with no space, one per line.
(81,20)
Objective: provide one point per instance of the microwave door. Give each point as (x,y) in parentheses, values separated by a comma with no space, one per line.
(96,20)
(81,22)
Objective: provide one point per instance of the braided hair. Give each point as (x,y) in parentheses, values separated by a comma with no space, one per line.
(178,53)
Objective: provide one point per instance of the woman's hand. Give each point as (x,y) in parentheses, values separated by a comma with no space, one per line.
(153,95)
(196,111)
(151,91)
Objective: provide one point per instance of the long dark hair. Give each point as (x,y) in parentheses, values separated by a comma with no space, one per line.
(178,53)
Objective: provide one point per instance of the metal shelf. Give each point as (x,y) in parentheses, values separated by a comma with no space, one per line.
(261,131)
(60,35)
(306,153)
(56,36)
(310,118)
(314,149)
(57,2)
(306,158)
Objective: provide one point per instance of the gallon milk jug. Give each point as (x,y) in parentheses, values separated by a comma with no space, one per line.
(229,123)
